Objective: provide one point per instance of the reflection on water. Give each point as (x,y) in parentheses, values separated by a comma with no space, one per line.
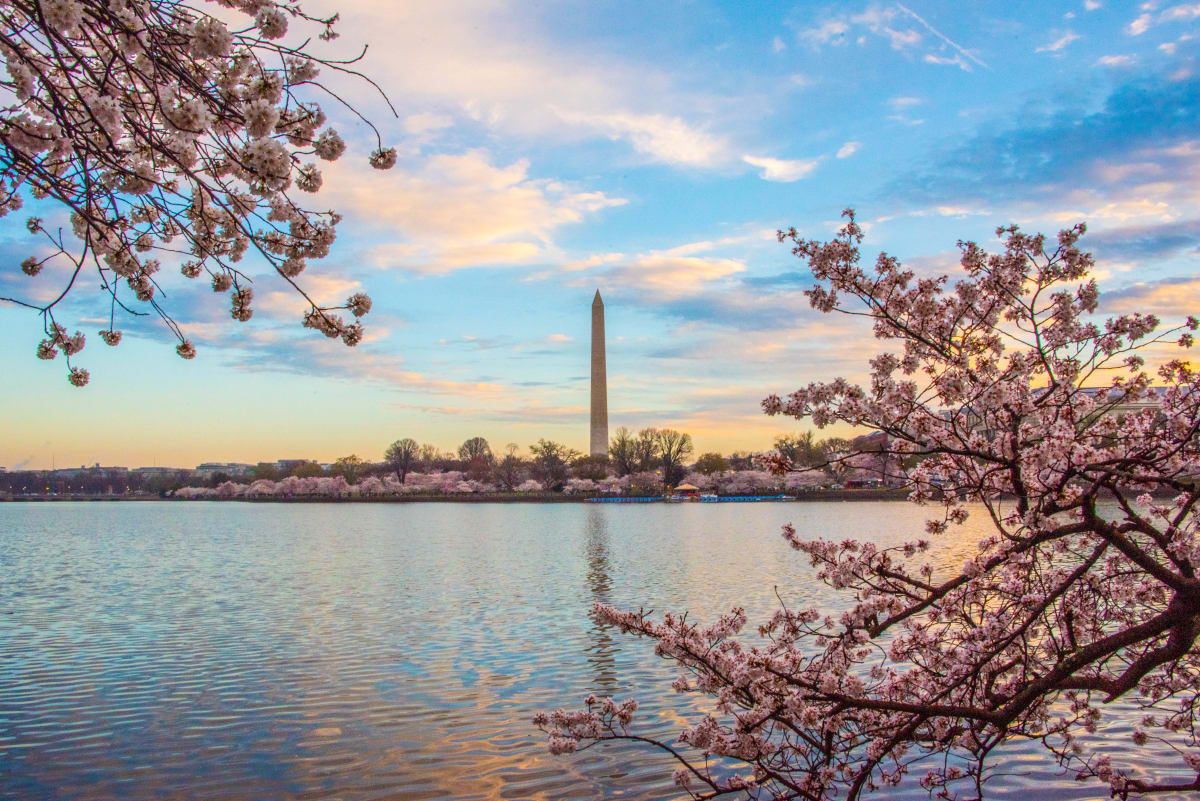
(602,648)
(255,651)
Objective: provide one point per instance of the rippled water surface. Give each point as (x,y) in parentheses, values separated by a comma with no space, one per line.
(375,651)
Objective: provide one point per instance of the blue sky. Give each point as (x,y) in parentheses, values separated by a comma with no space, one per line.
(650,151)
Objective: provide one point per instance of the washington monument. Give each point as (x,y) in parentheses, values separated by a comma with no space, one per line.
(599,381)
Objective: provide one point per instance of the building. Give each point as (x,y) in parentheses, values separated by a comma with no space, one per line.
(210,469)
(599,428)
(1108,404)
(151,472)
(83,470)
(288,465)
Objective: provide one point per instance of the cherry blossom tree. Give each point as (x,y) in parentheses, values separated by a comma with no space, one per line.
(1012,398)
(167,133)
(746,482)
(580,486)
(702,481)
(371,485)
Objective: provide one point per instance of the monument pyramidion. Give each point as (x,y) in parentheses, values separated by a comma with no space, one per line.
(599,442)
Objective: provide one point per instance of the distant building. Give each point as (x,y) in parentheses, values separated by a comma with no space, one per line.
(1108,408)
(210,469)
(150,472)
(83,470)
(228,467)
(599,427)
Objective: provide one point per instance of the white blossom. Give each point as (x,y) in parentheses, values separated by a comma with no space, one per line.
(329,146)
(383,159)
(358,304)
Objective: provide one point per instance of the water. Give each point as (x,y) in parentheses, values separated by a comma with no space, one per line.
(377,651)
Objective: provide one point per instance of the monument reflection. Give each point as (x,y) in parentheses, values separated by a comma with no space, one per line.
(602,647)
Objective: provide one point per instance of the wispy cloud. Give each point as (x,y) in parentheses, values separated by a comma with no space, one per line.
(829,31)
(784,170)
(1171,299)
(544,344)
(880,21)
(307,355)
(325,289)
(459,211)
(962,51)
(900,107)
(426,121)
(1182,12)
(1144,121)
(953,61)
(894,24)
(849,149)
(668,275)
(1059,43)
(1154,242)
(504,75)
(664,138)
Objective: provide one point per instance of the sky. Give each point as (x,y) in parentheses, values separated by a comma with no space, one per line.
(651,151)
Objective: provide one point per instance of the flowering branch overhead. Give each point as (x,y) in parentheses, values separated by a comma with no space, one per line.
(1005,395)
(167,133)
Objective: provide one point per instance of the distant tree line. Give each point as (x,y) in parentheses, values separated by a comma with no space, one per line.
(645,461)
(93,481)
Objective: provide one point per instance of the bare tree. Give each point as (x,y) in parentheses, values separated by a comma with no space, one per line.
(510,471)
(475,448)
(550,461)
(802,450)
(622,452)
(401,455)
(590,467)
(428,456)
(711,463)
(348,467)
(673,450)
(645,450)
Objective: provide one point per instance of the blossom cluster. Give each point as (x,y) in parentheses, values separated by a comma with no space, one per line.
(163,129)
(743,482)
(451,482)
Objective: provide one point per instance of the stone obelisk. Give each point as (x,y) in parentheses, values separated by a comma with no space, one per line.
(599,381)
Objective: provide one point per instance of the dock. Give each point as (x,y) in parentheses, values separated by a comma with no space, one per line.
(701,499)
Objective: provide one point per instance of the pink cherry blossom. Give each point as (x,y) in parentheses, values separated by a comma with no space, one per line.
(163,129)
(1000,389)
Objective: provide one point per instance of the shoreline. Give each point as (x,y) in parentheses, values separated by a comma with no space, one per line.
(815,495)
